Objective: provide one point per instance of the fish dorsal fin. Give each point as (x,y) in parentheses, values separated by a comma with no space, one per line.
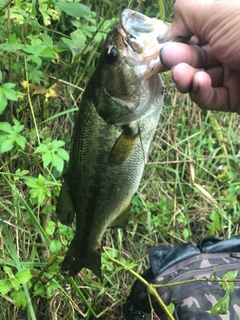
(123,146)
(65,210)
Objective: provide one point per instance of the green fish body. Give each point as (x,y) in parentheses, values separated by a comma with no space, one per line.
(115,126)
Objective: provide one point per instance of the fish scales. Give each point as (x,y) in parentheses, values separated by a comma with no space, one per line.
(114,128)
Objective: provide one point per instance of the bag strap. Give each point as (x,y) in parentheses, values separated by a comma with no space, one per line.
(214,245)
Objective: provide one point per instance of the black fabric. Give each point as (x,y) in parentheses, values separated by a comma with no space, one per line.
(162,257)
(209,244)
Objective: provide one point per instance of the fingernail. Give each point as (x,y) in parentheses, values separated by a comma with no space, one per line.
(172,73)
(195,83)
(161,57)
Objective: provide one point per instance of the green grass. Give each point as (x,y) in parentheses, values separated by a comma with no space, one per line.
(190,187)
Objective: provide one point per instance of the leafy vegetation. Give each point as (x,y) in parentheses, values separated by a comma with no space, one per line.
(190,188)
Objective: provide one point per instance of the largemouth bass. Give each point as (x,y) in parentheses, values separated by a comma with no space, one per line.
(115,125)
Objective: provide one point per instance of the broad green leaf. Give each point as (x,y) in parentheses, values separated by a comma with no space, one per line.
(47,40)
(38,190)
(19,298)
(41,180)
(48,14)
(229,275)
(215,225)
(35,75)
(51,287)
(66,231)
(8,85)
(74,9)
(41,197)
(47,159)
(47,192)
(49,209)
(39,289)
(31,49)
(6,127)
(55,246)
(40,193)
(171,308)
(42,148)
(58,162)
(18,127)
(3,100)
(16,16)
(21,172)
(186,233)
(12,38)
(222,306)
(50,228)
(35,59)
(9,93)
(21,141)
(11,47)
(34,194)
(6,145)
(23,276)
(48,53)
(76,43)
(46,17)
(16,285)
(32,183)
(5,286)
(57,144)
(108,265)
(63,154)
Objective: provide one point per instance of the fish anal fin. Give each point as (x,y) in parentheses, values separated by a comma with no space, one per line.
(77,258)
(122,147)
(122,219)
(65,210)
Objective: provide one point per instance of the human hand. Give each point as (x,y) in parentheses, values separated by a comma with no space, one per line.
(209,66)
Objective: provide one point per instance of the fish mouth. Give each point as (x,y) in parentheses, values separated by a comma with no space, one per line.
(141,30)
(135,23)
(143,35)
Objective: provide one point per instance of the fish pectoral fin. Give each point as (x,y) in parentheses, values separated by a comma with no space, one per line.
(65,211)
(78,258)
(123,146)
(122,219)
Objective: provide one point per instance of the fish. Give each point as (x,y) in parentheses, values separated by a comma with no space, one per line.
(112,136)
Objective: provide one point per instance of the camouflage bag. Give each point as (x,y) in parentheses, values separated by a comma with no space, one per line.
(194,300)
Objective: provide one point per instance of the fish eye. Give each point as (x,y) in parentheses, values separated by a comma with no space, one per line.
(111,55)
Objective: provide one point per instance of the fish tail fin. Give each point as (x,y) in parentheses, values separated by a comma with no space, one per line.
(65,210)
(77,258)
